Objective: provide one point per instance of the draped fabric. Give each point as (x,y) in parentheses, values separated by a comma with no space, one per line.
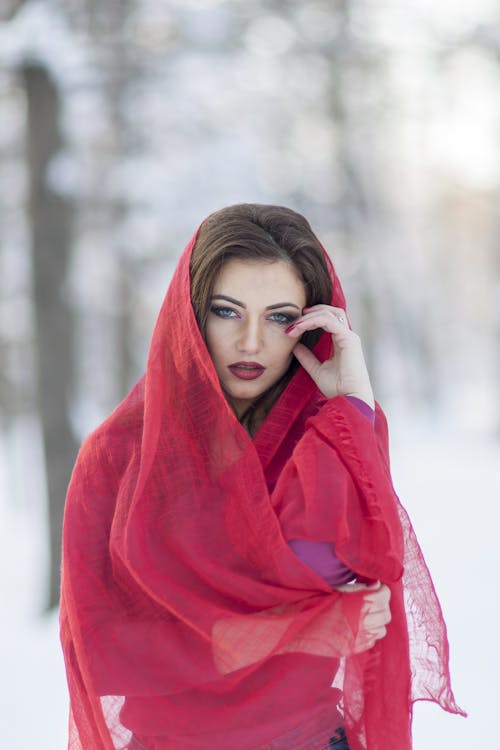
(187,622)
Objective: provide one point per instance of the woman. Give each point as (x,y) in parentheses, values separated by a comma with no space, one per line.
(232,536)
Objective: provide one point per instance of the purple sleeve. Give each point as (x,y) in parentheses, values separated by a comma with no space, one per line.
(320,556)
(363,407)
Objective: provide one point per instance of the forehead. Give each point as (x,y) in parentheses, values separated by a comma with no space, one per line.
(260,278)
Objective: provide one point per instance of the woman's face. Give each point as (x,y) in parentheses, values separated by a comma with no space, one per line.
(253,303)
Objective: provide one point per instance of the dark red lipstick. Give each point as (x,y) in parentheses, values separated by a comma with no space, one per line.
(246,370)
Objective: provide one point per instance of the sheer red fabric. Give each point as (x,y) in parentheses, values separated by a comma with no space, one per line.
(187,623)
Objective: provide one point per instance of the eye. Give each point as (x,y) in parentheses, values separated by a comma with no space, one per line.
(284,319)
(223,312)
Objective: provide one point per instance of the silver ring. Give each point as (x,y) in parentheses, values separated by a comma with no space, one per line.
(340,318)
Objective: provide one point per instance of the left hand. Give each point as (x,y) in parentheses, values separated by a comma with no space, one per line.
(375,613)
(345,374)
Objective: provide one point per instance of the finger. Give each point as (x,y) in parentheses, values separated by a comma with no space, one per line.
(380,633)
(372,633)
(323,313)
(321,319)
(377,599)
(366,641)
(377,607)
(374,586)
(339,312)
(376,613)
(329,308)
(351,588)
(363,644)
(307,359)
(372,620)
(382,595)
(373,624)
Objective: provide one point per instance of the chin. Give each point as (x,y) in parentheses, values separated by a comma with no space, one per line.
(245,394)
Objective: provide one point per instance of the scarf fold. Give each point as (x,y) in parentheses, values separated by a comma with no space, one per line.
(187,622)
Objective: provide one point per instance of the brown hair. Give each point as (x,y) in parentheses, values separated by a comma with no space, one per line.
(259,232)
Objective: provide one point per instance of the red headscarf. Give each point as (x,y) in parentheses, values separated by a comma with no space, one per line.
(187,623)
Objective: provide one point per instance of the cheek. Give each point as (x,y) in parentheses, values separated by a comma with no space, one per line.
(283,347)
(213,339)
(218,342)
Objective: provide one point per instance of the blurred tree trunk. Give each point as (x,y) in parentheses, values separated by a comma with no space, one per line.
(50,217)
(9,8)
(354,209)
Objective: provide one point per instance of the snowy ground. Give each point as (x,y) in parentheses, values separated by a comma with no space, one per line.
(451,486)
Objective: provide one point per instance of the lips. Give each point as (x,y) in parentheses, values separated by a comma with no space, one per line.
(246,370)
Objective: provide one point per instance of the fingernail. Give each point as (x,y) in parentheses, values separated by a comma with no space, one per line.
(290,328)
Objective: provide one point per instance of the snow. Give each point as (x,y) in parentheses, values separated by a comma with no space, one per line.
(450,484)
(33,693)
(439,474)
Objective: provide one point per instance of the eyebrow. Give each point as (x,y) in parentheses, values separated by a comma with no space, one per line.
(242,304)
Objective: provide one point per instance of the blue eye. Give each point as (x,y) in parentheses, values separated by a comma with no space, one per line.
(283,318)
(223,312)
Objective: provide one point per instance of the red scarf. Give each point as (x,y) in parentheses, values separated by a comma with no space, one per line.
(187,623)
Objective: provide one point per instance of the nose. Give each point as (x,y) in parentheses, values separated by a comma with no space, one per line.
(250,340)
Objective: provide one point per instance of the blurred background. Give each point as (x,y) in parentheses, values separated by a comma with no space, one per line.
(122,124)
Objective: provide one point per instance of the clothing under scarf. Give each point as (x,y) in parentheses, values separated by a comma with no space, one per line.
(187,622)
